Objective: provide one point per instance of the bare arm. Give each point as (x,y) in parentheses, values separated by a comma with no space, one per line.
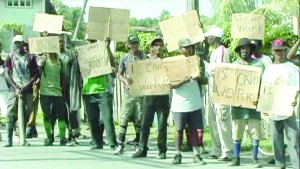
(292,53)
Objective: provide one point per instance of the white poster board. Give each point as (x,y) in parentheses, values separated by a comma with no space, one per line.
(49,23)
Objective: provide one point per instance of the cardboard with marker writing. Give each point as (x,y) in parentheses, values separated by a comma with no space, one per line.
(149,78)
(93,60)
(236,85)
(277,99)
(49,23)
(41,45)
(251,26)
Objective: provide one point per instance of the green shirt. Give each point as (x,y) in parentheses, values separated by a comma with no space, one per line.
(94,85)
(246,113)
(50,79)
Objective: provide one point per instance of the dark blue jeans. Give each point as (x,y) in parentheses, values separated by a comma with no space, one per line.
(97,105)
(160,105)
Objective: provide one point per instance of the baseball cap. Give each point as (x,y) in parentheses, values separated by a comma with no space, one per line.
(18,38)
(214,31)
(132,39)
(278,44)
(184,42)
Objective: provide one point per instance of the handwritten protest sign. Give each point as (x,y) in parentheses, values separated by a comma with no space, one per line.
(47,22)
(110,22)
(149,78)
(183,26)
(179,67)
(93,60)
(44,45)
(276,100)
(251,26)
(236,85)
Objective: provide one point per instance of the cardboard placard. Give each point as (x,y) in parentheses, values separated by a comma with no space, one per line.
(276,100)
(110,22)
(149,78)
(183,26)
(251,26)
(179,67)
(296,25)
(236,85)
(41,45)
(47,22)
(93,60)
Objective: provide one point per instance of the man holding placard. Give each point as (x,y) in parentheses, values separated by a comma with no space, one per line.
(152,104)
(283,72)
(131,106)
(219,115)
(186,106)
(245,116)
(98,100)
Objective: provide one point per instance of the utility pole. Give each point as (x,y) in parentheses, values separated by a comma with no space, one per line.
(79,20)
(192,5)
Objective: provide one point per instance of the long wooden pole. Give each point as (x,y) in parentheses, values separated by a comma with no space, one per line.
(79,20)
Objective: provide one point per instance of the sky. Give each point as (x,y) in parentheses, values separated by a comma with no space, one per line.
(143,8)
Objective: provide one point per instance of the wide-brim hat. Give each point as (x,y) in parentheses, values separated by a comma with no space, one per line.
(245,42)
(155,39)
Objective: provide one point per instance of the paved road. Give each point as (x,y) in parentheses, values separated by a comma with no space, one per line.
(37,156)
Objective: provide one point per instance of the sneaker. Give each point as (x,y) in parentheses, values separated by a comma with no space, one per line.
(119,150)
(234,162)
(197,159)
(177,159)
(211,156)
(271,161)
(96,147)
(224,159)
(79,135)
(161,156)
(48,142)
(203,150)
(134,142)
(139,153)
(256,163)
(63,142)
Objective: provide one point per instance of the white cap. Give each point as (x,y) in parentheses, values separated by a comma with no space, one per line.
(18,38)
(214,31)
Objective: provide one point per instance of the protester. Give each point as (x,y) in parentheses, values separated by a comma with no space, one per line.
(246,116)
(283,72)
(266,60)
(21,72)
(98,103)
(31,130)
(186,107)
(4,90)
(219,115)
(154,104)
(131,106)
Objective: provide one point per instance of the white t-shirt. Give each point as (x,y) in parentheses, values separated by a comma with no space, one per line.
(187,97)
(3,84)
(282,74)
(266,60)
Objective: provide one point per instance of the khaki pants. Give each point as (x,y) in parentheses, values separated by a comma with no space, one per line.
(238,128)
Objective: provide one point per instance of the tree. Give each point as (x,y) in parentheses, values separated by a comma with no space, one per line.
(71,16)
